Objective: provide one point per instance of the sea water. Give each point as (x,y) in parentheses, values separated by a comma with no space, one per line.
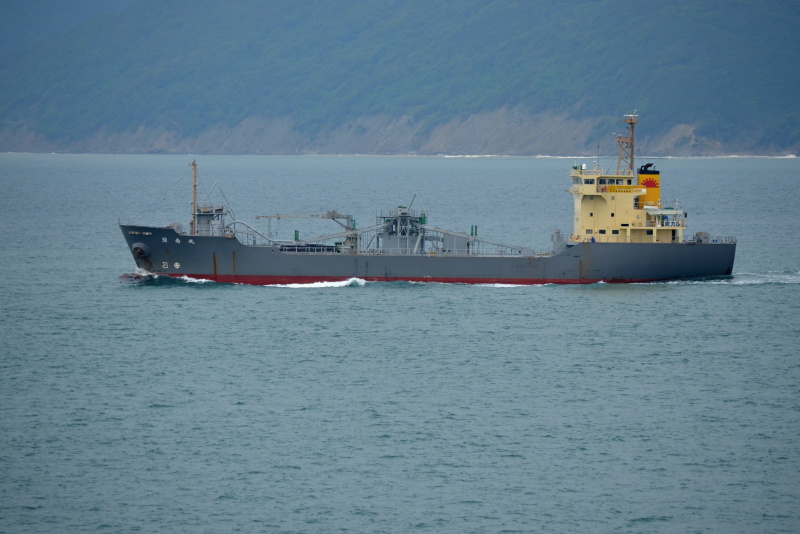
(181,406)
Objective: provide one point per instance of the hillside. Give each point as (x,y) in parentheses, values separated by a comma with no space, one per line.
(26,23)
(433,76)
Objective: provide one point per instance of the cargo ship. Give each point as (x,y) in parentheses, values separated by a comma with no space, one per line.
(623,233)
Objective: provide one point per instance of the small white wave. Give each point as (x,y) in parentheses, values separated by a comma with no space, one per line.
(193,280)
(141,275)
(352,282)
(769,277)
(750,279)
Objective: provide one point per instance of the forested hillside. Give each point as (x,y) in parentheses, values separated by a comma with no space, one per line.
(416,76)
(25,23)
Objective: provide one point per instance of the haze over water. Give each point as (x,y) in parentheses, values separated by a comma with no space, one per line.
(181,406)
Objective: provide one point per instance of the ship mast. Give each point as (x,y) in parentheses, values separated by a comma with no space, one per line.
(193,165)
(626,144)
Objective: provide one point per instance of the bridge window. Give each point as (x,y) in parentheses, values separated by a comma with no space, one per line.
(588,181)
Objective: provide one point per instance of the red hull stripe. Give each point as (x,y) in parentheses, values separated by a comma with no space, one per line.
(283,280)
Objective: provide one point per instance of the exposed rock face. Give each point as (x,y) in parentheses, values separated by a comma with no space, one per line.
(501,132)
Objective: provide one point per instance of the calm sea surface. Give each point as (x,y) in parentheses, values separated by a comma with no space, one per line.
(177,406)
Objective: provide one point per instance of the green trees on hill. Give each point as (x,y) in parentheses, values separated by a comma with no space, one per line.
(727,66)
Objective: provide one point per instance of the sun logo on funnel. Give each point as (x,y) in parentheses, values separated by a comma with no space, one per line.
(650,182)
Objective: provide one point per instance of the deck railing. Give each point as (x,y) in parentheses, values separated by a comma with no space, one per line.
(620,238)
(600,172)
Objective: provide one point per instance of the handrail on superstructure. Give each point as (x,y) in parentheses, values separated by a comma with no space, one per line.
(253,231)
(475,239)
(600,172)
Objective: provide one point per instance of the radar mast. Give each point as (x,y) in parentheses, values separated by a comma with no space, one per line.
(193,165)
(626,144)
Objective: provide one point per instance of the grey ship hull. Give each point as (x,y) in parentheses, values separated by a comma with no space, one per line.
(164,251)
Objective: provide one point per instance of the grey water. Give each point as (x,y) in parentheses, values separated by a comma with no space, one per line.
(178,406)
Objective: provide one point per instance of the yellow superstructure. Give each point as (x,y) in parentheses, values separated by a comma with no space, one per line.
(623,206)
